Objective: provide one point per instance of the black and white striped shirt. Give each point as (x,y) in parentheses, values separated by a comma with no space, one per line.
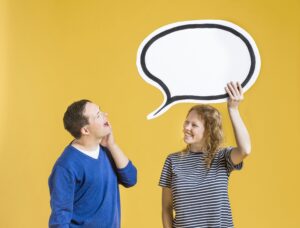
(200,196)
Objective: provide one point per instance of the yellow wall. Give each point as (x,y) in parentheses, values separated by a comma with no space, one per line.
(54,52)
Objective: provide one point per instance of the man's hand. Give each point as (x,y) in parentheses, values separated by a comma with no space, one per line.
(108,140)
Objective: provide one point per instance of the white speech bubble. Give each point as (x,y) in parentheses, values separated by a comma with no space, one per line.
(192,61)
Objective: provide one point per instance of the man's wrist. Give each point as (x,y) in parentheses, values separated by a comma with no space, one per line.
(112,146)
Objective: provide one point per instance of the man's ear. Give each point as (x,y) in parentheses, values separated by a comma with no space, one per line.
(84,131)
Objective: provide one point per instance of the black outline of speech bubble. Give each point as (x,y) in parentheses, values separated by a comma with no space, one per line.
(194,26)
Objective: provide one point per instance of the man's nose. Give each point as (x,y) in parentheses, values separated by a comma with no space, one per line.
(104,114)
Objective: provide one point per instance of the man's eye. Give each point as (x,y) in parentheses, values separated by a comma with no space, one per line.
(194,125)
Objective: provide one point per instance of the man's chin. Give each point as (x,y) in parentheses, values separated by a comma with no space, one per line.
(107,133)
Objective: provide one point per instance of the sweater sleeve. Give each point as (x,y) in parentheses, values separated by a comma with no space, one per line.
(127,176)
(61,184)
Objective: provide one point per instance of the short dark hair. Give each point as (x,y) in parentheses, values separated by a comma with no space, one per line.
(74,118)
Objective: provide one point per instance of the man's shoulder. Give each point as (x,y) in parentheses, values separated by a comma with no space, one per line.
(68,158)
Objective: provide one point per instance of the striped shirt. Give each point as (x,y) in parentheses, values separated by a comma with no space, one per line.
(200,196)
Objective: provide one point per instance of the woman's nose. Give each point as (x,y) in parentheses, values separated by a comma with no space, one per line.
(187,127)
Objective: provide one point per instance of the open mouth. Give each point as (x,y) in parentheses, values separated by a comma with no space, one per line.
(187,135)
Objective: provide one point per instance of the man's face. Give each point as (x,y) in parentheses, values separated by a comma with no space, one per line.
(98,125)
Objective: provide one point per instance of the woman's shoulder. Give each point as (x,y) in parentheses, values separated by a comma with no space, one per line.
(223,151)
(176,156)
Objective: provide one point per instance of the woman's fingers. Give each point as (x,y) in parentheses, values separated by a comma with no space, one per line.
(232,90)
(229,92)
(231,95)
(240,88)
(235,91)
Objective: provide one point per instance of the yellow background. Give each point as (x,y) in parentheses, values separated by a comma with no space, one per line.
(55,52)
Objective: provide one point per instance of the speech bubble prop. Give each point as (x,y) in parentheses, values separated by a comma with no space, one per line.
(192,61)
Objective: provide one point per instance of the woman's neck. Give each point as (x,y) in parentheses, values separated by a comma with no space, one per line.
(196,147)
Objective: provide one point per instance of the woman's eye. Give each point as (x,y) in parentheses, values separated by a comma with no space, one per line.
(194,125)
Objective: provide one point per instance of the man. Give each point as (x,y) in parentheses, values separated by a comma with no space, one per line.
(84,181)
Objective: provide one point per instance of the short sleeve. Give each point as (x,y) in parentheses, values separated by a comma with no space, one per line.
(166,174)
(229,164)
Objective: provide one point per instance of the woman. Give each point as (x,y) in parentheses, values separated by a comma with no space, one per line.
(194,181)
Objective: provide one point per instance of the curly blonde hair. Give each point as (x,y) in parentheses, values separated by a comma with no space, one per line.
(213,133)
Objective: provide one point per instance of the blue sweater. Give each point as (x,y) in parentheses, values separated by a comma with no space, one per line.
(85,192)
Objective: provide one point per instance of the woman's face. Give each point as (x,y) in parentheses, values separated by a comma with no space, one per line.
(193,129)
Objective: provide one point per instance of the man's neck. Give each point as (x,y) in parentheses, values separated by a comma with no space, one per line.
(85,144)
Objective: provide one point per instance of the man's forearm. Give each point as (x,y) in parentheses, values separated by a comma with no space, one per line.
(119,157)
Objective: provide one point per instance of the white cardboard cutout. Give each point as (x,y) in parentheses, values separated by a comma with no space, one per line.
(192,61)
